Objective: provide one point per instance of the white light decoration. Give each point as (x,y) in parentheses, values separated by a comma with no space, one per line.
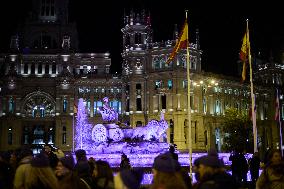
(65,57)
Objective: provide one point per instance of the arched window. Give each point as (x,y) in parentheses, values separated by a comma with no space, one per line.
(65,105)
(11,105)
(38,105)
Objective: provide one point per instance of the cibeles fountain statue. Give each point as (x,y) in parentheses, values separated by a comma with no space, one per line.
(109,138)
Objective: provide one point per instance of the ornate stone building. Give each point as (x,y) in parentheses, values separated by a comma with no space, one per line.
(43,77)
(152,86)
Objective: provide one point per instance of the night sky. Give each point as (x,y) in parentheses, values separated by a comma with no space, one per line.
(221,25)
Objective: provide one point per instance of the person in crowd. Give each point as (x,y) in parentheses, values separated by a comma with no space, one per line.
(128,179)
(58,152)
(102,175)
(40,175)
(166,173)
(82,167)
(125,162)
(6,171)
(254,165)
(265,158)
(172,151)
(48,150)
(239,166)
(81,155)
(25,157)
(64,167)
(91,162)
(272,176)
(66,177)
(212,173)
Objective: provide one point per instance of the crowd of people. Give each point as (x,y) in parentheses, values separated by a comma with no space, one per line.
(53,169)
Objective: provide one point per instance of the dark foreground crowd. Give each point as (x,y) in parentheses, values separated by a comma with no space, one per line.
(50,170)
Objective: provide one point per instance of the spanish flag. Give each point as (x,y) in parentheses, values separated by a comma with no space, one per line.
(245,51)
(182,42)
(75,109)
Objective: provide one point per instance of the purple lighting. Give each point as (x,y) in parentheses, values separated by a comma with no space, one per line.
(83,128)
(109,138)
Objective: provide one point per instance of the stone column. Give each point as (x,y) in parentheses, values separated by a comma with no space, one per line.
(179,139)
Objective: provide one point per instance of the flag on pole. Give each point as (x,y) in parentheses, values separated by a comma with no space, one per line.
(75,109)
(182,42)
(244,53)
(277,107)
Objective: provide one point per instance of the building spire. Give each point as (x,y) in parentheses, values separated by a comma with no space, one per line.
(14,44)
(175,34)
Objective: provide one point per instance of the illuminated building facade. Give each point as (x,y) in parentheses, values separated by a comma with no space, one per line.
(45,75)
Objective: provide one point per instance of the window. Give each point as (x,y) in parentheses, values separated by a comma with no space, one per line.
(185,130)
(138,123)
(26,135)
(39,69)
(204,105)
(26,69)
(184,84)
(182,60)
(64,134)
(127,89)
(164,102)
(33,69)
(10,136)
(158,84)
(218,107)
(171,131)
(138,88)
(119,107)
(170,84)
(53,69)
(46,69)
(11,105)
(138,104)
(127,105)
(65,105)
(156,62)
(99,104)
(114,105)
(138,38)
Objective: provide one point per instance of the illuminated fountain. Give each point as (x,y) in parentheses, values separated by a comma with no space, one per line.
(107,141)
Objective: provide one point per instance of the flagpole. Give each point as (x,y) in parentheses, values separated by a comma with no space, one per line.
(279,121)
(188,102)
(252,95)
